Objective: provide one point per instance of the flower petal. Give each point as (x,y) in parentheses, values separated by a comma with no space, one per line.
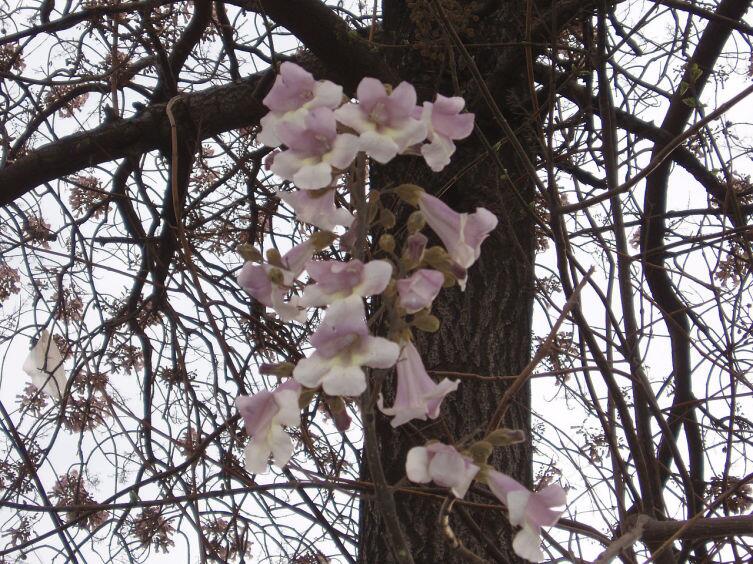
(417,465)
(378,352)
(310,371)
(527,545)
(281,446)
(257,456)
(344,381)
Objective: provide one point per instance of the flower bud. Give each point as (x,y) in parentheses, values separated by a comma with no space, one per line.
(274,258)
(322,239)
(387,243)
(409,193)
(276,276)
(387,219)
(413,250)
(481,451)
(426,322)
(249,252)
(416,222)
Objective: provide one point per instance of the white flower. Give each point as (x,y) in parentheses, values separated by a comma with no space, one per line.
(343,345)
(264,415)
(441,464)
(45,366)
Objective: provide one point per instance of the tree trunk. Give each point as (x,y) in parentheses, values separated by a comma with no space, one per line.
(485,330)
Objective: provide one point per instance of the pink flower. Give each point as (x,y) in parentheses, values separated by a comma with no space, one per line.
(293,94)
(256,280)
(417,394)
(384,121)
(316,208)
(264,414)
(314,149)
(445,123)
(461,233)
(529,510)
(441,464)
(414,247)
(343,345)
(45,366)
(336,280)
(419,291)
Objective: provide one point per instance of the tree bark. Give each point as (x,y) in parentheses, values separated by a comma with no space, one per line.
(485,330)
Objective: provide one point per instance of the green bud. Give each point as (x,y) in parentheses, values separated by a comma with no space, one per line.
(387,243)
(426,322)
(436,256)
(322,239)
(307,394)
(249,252)
(409,193)
(276,276)
(416,222)
(387,219)
(449,279)
(506,437)
(481,451)
(274,258)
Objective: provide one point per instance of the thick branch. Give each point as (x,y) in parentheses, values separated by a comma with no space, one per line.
(214,110)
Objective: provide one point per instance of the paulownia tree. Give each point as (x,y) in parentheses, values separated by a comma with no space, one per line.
(159,179)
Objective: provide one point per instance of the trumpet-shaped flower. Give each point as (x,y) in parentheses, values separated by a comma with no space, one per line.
(264,415)
(384,121)
(443,465)
(417,396)
(257,280)
(316,208)
(419,290)
(529,510)
(445,123)
(45,366)
(293,94)
(461,233)
(343,345)
(336,280)
(314,149)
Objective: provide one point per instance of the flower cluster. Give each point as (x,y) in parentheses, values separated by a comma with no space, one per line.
(318,135)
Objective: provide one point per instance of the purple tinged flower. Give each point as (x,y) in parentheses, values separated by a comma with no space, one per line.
(314,149)
(45,366)
(384,121)
(445,123)
(336,280)
(443,465)
(529,510)
(293,94)
(343,345)
(264,415)
(418,396)
(318,209)
(419,290)
(255,279)
(461,233)
(414,248)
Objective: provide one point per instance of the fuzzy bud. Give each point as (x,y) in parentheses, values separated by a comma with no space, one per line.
(416,222)
(322,239)
(426,322)
(409,193)
(249,252)
(387,243)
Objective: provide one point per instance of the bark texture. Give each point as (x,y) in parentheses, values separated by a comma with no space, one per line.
(487,329)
